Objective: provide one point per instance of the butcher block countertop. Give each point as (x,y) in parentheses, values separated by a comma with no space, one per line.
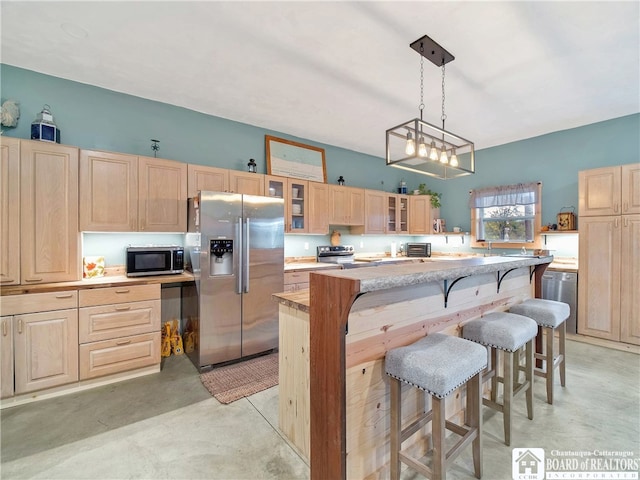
(115,279)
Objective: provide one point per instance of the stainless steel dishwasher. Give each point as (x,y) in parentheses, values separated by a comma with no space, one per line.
(563,287)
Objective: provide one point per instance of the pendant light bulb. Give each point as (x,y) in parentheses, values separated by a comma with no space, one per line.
(453,161)
(410,147)
(433,153)
(422,148)
(443,155)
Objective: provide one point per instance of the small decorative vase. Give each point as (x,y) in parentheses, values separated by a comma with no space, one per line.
(335,238)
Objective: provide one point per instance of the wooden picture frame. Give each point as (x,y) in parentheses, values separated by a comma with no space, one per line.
(287,158)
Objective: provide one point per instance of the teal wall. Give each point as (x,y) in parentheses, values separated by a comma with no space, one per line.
(92,117)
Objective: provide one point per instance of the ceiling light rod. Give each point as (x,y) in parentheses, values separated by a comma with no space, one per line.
(439,153)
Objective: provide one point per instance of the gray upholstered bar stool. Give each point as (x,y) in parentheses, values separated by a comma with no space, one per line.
(437,364)
(549,315)
(507,332)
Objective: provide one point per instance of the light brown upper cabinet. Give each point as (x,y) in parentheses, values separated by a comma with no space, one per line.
(609,190)
(210,179)
(49,234)
(108,192)
(318,195)
(397,213)
(375,209)
(346,205)
(127,193)
(420,215)
(10,211)
(246,182)
(162,195)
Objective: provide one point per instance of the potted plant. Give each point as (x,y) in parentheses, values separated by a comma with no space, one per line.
(435,197)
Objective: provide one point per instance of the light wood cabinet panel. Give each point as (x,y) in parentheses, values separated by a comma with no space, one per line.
(6,356)
(121,320)
(211,179)
(162,195)
(397,214)
(124,294)
(49,213)
(108,192)
(38,302)
(420,214)
(346,205)
(46,349)
(610,190)
(10,211)
(599,280)
(375,206)
(318,208)
(118,355)
(246,182)
(630,280)
(630,188)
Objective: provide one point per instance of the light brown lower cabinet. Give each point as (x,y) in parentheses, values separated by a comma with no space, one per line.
(119,354)
(39,342)
(609,282)
(119,329)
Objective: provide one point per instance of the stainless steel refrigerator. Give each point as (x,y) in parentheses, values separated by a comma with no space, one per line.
(236,250)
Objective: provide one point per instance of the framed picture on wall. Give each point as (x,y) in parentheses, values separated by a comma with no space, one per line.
(287,158)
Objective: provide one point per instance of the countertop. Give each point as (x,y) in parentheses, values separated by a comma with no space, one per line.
(115,280)
(413,273)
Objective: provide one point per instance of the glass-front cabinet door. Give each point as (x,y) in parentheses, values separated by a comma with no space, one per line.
(298,208)
(275,186)
(402,225)
(397,214)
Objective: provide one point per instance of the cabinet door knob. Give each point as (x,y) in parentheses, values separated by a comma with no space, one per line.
(5,329)
(20,325)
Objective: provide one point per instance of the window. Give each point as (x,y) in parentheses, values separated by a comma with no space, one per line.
(508,216)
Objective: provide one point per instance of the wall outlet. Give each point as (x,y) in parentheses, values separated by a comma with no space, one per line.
(306,245)
(361,243)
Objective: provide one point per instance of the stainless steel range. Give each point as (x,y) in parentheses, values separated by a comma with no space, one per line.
(335,254)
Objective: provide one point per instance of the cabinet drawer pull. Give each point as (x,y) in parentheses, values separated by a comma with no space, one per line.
(33,279)
(121,309)
(68,295)
(20,326)
(123,342)
(6,280)
(126,290)
(5,330)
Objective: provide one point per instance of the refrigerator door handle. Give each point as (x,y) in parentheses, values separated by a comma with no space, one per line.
(239,252)
(245,273)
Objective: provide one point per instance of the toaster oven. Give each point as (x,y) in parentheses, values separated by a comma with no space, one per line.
(418,249)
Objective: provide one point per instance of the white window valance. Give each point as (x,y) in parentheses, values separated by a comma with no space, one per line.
(503,195)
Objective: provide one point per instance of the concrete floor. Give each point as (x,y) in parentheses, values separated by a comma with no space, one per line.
(167,426)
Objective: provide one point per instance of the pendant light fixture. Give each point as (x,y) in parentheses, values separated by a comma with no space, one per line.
(440,153)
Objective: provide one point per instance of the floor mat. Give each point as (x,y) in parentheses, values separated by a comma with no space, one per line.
(232,382)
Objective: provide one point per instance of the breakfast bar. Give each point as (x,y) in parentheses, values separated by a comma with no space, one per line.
(334,399)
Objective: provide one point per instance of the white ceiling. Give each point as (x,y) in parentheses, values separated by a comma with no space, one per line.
(341,73)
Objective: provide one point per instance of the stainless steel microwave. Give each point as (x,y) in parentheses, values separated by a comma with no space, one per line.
(154,260)
(418,250)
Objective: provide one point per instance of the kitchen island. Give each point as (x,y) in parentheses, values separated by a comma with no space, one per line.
(334,397)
